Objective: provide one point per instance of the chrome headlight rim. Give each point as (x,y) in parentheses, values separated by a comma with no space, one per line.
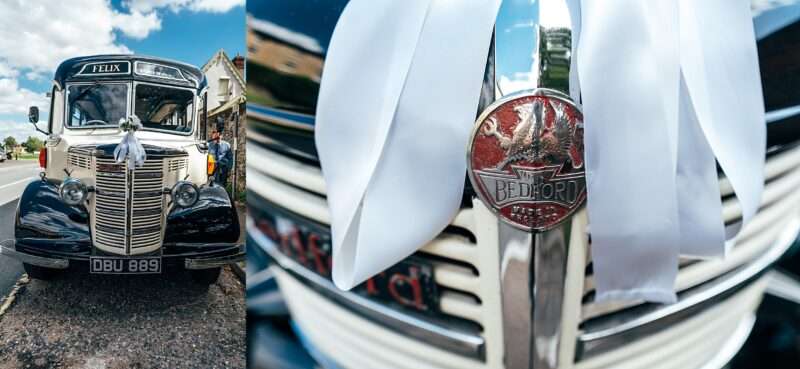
(73,184)
(181,186)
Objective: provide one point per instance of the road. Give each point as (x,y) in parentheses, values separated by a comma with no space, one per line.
(14,176)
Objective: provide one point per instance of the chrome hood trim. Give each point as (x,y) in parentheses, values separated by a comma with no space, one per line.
(532,49)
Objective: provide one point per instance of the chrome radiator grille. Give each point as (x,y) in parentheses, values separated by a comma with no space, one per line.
(461,270)
(128,207)
(605,326)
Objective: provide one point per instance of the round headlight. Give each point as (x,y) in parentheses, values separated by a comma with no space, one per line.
(185,194)
(73,191)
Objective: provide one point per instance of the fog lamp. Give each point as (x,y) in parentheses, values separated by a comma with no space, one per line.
(185,194)
(73,191)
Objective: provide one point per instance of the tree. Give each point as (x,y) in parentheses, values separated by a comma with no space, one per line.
(9,142)
(33,144)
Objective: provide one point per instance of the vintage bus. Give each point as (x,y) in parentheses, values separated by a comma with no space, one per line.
(92,212)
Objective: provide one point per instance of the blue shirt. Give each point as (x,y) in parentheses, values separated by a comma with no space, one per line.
(222,153)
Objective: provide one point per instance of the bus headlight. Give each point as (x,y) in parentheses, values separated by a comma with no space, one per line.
(185,194)
(73,192)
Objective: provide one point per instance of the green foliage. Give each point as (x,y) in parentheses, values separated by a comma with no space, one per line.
(9,143)
(33,144)
(240,196)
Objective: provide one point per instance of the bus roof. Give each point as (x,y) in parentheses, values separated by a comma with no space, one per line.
(129,67)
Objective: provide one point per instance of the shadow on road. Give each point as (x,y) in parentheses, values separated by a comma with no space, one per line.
(158,321)
(119,294)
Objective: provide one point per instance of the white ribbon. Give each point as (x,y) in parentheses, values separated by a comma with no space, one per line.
(130,148)
(662,98)
(666,87)
(398,97)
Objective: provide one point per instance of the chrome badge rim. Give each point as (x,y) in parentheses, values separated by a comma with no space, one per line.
(525,159)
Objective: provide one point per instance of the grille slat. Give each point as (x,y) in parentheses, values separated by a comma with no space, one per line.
(177,164)
(454,255)
(778,204)
(128,206)
(79,161)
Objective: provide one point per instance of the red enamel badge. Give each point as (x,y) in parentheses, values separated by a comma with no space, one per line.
(525,159)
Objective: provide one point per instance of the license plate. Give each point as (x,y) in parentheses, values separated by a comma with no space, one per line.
(409,283)
(122,265)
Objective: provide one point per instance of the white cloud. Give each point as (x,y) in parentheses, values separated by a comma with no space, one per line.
(137,25)
(215,6)
(38,34)
(212,6)
(6,70)
(18,129)
(518,82)
(557,14)
(35,76)
(15,100)
(285,34)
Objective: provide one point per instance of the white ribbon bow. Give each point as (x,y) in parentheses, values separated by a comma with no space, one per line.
(667,86)
(130,148)
(662,97)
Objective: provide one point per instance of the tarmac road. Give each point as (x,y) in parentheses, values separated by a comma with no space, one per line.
(14,176)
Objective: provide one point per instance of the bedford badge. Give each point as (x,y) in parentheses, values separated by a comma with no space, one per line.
(525,159)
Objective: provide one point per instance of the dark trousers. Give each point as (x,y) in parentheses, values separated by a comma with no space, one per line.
(222,177)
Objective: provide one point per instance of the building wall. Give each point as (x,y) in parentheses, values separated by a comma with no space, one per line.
(213,74)
(282,57)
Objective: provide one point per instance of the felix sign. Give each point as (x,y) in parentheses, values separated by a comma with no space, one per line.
(105,68)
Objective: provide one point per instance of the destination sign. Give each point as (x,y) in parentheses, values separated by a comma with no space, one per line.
(106,68)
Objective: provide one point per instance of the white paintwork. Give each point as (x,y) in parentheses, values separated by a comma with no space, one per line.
(63,138)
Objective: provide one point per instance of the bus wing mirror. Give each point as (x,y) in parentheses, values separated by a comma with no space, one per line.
(33,117)
(33,114)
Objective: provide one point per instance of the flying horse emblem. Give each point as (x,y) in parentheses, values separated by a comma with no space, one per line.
(534,140)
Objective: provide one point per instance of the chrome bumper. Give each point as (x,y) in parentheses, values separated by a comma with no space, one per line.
(204,262)
(215,262)
(7,249)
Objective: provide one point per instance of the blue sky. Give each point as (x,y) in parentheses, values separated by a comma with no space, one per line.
(193,37)
(190,31)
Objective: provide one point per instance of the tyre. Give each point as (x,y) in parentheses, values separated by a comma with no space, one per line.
(41,273)
(205,276)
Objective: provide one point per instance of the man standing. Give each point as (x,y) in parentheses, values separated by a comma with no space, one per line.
(221,150)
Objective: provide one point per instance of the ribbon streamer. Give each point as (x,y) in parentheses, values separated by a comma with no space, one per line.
(662,98)
(130,148)
(398,96)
